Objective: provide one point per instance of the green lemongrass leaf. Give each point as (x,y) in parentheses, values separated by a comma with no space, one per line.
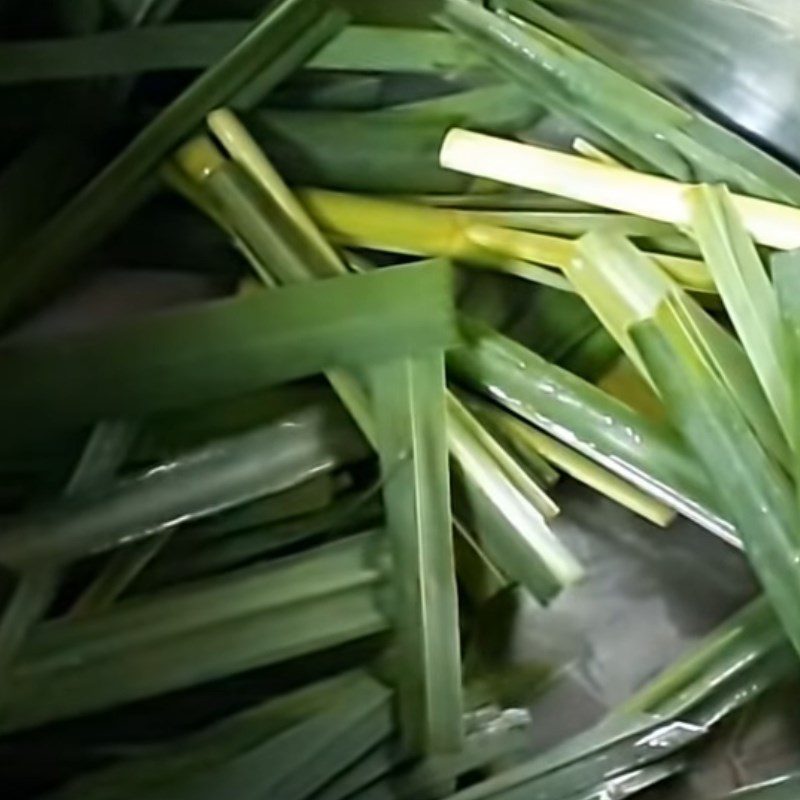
(392,150)
(616,188)
(748,636)
(176,759)
(122,569)
(409,406)
(558,73)
(102,456)
(732,667)
(202,483)
(394,49)
(524,436)
(228,347)
(219,627)
(517,476)
(196,765)
(618,294)
(624,287)
(479,578)
(199,45)
(650,234)
(104,203)
(646,454)
(749,486)
(499,509)
(309,497)
(298,761)
(745,289)
(189,561)
(506,427)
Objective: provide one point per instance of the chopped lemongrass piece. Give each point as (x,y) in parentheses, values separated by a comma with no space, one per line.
(544,170)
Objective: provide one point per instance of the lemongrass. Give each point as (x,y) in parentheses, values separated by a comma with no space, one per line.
(541,169)
(363,221)
(577,465)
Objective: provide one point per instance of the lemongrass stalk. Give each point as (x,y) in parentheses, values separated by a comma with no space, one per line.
(531,167)
(648,455)
(576,465)
(410,409)
(363,221)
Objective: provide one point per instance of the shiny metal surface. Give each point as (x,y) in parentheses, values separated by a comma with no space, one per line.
(740,58)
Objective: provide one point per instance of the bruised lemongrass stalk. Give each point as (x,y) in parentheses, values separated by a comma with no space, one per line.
(414,229)
(545,170)
(574,464)
(295,26)
(513,513)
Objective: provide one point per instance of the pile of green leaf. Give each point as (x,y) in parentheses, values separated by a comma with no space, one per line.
(205,587)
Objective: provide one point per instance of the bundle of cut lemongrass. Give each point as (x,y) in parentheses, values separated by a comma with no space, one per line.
(248,541)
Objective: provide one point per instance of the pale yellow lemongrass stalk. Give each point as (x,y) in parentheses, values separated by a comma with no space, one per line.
(413,229)
(540,169)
